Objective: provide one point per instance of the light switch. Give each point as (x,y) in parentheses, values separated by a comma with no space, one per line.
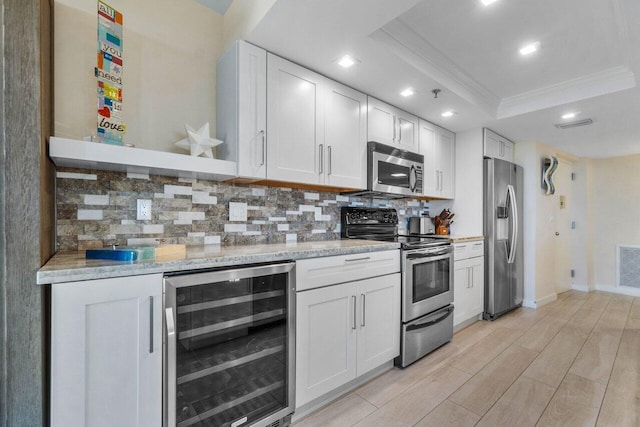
(237,211)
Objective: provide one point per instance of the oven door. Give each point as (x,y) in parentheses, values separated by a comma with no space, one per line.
(427,281)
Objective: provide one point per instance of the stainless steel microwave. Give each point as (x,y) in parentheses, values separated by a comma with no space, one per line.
(391,170)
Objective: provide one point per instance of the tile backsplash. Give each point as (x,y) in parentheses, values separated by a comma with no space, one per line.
(98,208)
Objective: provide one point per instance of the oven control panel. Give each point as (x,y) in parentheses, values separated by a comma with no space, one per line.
(355,215)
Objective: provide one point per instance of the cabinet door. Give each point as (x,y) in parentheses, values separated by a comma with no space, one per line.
(345,136)
(106,352)
(407,131)
(378,321)
(252,114)
(476,296)
(507,150)
(492,145)
(294,117)
(427,145)
(446,162)
(381,122)
(325,340)
(461,290)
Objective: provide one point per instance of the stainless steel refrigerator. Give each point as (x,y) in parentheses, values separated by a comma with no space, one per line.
(504,266)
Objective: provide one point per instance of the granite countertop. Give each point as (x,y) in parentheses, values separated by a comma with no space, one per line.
(72,266)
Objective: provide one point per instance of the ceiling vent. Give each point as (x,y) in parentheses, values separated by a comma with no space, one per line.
(575,124)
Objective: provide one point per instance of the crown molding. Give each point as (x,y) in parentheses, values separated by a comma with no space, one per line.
(596,84)
(422,55)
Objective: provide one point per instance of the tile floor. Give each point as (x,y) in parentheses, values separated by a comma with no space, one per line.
(574,362)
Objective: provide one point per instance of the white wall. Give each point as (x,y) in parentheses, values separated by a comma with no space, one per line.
(242,17)
(616,212)
(170,53)
(539,218)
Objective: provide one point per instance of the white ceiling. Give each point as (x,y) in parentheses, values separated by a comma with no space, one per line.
(219,6)
(588,62)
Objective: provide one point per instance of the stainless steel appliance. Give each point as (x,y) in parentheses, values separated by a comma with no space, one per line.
(230,347)
(504,267)
(427,279)
(421,225)
(392,172)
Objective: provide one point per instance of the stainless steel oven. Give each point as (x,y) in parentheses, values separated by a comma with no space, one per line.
(394,171)
(427,276)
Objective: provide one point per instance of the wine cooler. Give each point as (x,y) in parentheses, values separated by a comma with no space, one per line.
(230,347)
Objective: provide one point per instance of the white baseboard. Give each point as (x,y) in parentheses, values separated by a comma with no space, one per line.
(546,300)
(539,302)
(623,290)
(581,288)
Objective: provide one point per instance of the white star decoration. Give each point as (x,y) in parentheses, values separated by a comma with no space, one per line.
(198,141)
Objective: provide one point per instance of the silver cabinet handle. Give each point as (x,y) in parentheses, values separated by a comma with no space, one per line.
(400,130)
(264,147)
(151,324)
(364,305)
(468,278)
(394,128)
(321,149)
(171,368)
(329,160)
(471,269)
(353,299)
(357,259)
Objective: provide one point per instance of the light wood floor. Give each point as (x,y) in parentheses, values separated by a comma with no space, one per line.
(574,362)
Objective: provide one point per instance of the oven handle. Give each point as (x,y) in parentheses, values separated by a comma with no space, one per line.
(447,312)
(424,258)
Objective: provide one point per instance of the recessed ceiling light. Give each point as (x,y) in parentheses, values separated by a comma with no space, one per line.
(569,116)
(530,48)
(487,2)
(447,114)
(347,61)
(408,92)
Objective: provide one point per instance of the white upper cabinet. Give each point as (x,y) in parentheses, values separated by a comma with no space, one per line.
(295,107)
(241,108)
(497,146)
(437,145)
(316,128)
(392,126)
(345,136)
(446,162)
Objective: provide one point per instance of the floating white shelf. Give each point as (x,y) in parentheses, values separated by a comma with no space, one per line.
(92,155)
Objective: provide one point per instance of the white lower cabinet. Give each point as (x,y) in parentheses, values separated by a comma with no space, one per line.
(344,331)
(106,352)
(468,281)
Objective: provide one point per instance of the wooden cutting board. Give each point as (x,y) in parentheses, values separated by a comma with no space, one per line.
(170,250)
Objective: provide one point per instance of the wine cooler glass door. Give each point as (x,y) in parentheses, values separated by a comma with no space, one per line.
(229,342)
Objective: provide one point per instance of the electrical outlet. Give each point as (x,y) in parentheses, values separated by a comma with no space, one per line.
(144,210)
(237,211)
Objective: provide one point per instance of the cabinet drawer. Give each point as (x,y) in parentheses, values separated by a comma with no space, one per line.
(317,272)
(468,250)
(476,249)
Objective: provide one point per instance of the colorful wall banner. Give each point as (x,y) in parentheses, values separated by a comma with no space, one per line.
(111,127)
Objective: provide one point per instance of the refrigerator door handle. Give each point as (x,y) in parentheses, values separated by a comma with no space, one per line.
(514,224)
(171,368)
